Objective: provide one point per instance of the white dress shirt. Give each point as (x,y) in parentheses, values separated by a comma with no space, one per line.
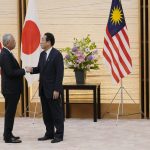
(48,52)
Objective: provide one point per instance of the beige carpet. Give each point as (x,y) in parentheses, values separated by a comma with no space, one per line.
(83,134)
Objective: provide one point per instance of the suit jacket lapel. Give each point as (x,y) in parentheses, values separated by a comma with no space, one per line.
(11,55)
(50,57)
(15,60)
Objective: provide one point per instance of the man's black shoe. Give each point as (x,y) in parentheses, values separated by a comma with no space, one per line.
(12,140)
(56,140)
(15,137)
(44,138)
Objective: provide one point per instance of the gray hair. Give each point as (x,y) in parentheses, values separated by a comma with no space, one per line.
(6,38)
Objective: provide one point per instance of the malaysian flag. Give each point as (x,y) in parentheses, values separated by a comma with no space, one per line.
(116,49)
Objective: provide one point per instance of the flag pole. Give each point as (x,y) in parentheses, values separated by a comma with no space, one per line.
(25,84)
(122,96)
(19,23)
(121,102)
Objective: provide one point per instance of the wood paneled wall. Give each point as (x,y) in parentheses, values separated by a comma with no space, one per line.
(76,18)
(9,24)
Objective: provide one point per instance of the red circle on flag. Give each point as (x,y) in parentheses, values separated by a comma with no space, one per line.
(30,37)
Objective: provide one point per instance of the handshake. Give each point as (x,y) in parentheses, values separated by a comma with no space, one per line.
(29,69)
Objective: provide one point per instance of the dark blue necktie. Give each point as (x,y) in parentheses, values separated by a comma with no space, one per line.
(44,59)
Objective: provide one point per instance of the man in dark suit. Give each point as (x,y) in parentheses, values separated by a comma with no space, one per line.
(11,85)
(51,69)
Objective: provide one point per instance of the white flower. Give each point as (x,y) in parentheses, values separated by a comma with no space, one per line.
(68,64)
(76,65)
(87,50)
(88,67)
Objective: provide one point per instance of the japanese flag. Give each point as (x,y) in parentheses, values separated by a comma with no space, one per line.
(30,46)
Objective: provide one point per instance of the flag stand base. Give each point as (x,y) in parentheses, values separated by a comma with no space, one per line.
(35,108)
(121,104)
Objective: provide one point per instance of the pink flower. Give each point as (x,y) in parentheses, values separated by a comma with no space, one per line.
(78,53)
(80,58)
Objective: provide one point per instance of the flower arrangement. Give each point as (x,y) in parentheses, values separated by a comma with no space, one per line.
(83,56)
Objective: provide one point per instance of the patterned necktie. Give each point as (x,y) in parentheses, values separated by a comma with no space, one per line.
(44,59)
